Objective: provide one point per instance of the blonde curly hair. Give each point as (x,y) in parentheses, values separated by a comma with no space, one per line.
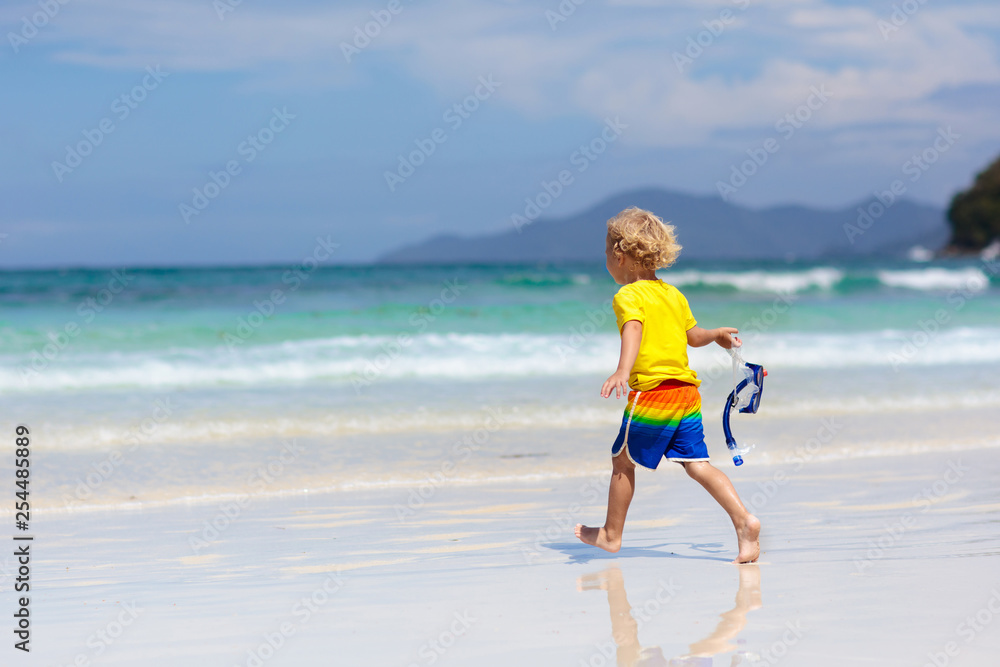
(643,237)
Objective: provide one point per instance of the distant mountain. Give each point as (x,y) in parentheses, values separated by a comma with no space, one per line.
(707,227)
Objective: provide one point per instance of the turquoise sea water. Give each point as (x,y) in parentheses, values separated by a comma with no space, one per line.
(392,355)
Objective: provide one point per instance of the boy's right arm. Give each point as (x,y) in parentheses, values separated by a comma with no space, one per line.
(618,382)
(698,337)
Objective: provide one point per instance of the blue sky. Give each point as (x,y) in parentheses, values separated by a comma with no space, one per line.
(694,86)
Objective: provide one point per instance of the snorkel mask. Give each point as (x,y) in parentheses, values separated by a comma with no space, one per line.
(748,385)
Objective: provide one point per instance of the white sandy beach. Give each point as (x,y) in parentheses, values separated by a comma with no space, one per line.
(428,519)
(886,561)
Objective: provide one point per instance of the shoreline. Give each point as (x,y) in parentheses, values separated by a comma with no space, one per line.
(819,447)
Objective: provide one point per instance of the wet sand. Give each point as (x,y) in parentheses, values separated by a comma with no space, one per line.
(890,560)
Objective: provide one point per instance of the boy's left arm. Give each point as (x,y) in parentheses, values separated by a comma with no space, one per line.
(724,336)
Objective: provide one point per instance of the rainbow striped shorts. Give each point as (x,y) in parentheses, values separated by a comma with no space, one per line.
(664,422)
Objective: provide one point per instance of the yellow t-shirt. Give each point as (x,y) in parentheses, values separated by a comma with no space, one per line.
(666,317)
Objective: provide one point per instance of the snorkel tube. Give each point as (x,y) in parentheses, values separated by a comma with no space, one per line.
(745,396)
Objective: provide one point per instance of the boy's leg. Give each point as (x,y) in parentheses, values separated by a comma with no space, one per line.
(746,524)
(620,493)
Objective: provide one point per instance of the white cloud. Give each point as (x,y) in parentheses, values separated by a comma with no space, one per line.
(189,35)
(603,60)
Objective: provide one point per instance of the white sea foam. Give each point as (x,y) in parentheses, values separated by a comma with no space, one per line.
(234,424)
(785,282)
(969,278)
(473,357)
(882,404)
(893,348)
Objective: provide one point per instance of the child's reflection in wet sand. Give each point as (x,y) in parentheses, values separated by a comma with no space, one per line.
(625,628)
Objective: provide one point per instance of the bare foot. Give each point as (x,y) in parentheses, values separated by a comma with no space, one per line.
(598,538)
(749,544)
